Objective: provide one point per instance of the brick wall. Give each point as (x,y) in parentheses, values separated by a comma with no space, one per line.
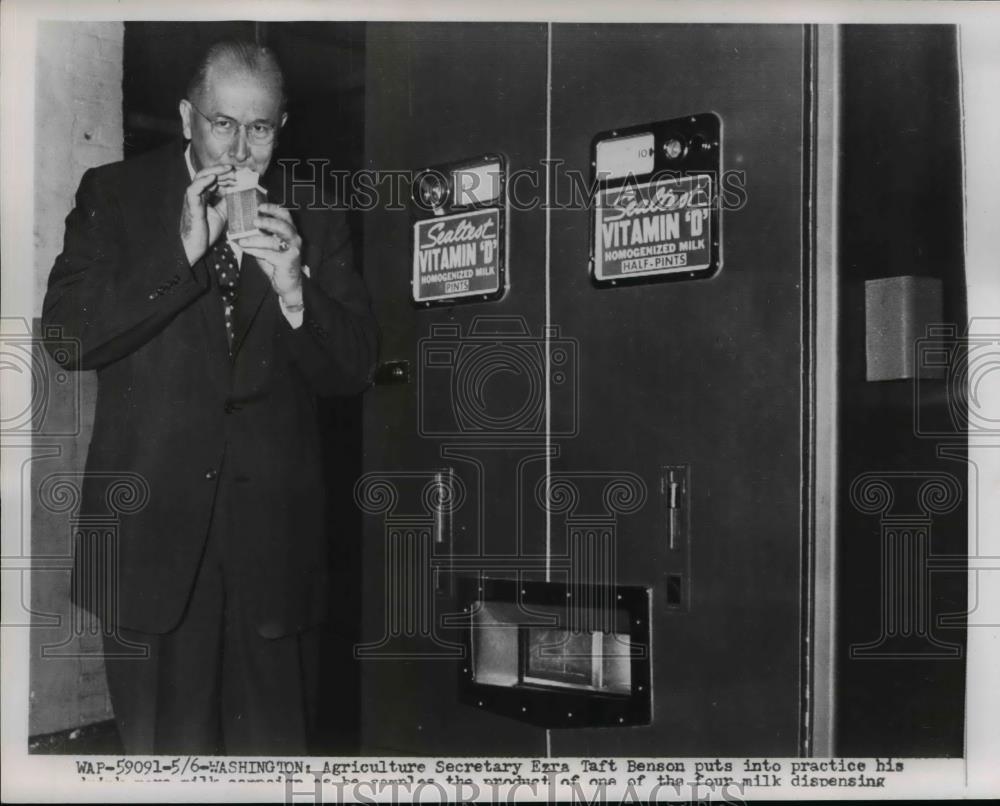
(78,124)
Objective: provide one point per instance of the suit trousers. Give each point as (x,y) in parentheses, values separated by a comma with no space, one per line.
(213,684)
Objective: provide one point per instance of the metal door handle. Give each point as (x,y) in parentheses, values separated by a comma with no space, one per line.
(442,528)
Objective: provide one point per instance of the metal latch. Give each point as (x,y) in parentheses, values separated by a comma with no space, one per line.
(674,480)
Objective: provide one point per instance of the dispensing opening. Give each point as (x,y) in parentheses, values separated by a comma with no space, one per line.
(559,655)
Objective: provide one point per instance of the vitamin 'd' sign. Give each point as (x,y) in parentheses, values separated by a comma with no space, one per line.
(456,256)
(661,227)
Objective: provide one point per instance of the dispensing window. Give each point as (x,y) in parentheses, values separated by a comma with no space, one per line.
(586,661)
(543,653)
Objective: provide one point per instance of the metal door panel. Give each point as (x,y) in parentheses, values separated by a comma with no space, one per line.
(438,93)
(705,373)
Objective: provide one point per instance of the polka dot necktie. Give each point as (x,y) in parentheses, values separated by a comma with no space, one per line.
(227,268)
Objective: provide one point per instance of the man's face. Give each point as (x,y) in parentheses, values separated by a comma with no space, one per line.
(242,97)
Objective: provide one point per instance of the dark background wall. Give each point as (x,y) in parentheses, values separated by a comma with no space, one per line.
(901,214)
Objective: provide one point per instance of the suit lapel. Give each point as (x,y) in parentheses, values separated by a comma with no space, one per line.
(254,285)
(167,211)
(214,323)
(168,203)
(253,290)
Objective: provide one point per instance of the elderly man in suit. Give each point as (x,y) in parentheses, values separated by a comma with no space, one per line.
(210,353)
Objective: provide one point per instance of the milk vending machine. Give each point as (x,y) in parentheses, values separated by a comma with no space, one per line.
(643,466)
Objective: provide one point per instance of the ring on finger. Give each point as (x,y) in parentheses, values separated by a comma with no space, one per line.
(282,245)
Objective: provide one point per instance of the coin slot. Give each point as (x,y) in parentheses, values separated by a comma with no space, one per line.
(675,590)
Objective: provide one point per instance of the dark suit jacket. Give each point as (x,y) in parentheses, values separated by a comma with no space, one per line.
(172,406)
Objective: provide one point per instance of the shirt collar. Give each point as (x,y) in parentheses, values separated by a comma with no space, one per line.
(187,159)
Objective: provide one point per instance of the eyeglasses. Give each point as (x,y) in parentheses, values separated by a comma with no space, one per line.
(259,133)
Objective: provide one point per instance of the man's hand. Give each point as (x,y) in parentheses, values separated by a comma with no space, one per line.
(278,249)
(203,217)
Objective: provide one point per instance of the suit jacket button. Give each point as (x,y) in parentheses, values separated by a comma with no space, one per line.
(210,473)
(152,296)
